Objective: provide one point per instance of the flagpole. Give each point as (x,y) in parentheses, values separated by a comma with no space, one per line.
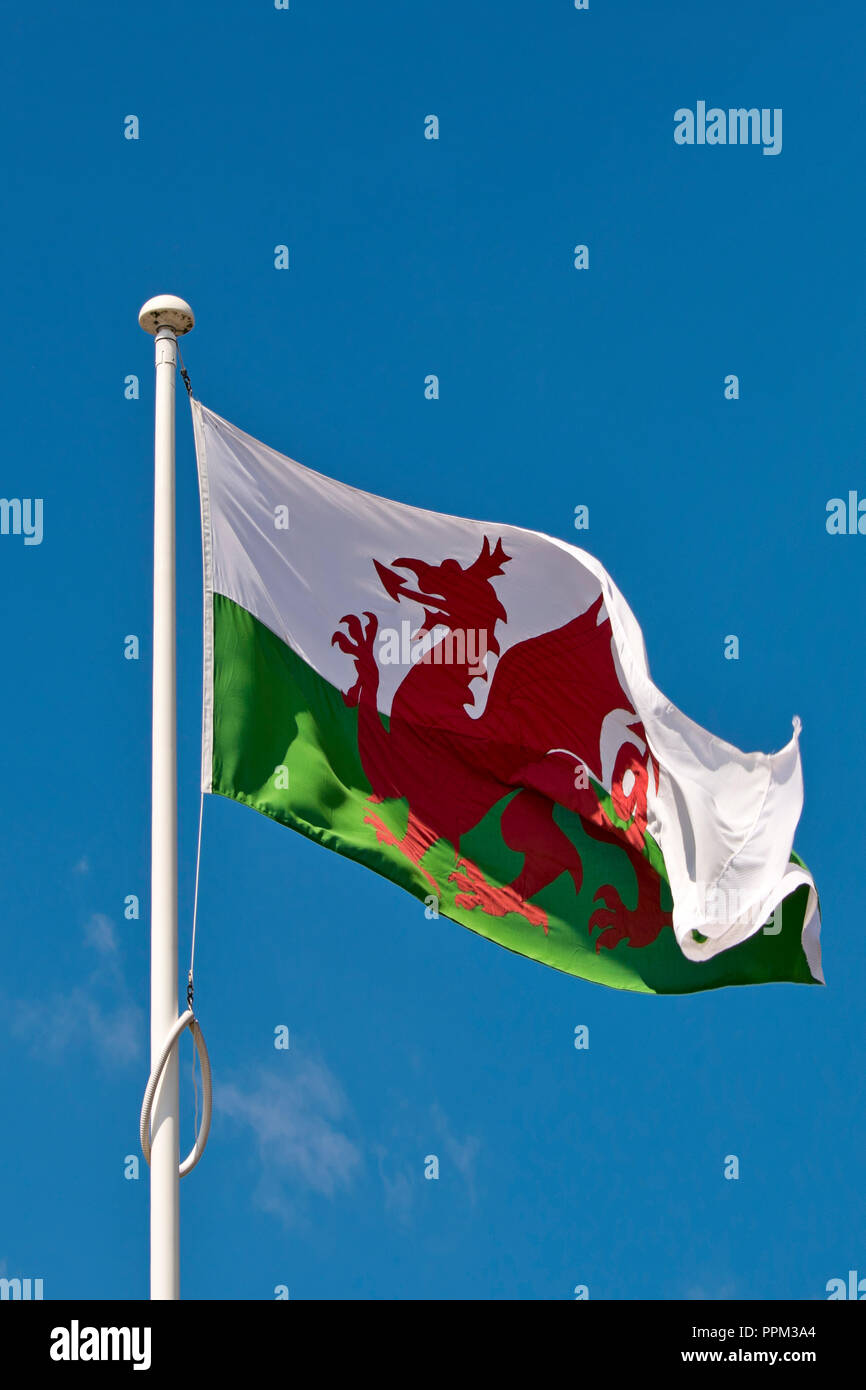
(166,317)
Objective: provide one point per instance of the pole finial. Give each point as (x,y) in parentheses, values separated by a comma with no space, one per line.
(166,311)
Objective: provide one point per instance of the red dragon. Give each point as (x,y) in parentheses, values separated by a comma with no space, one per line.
(539,733)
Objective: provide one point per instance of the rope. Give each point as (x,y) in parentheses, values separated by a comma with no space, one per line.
(184,373)
(189,989)
(186,1020)
(195,1094)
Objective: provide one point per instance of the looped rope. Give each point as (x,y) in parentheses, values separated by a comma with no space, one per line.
(186,1020)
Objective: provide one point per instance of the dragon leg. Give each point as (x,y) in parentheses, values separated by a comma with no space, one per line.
(641,924)
(528,827)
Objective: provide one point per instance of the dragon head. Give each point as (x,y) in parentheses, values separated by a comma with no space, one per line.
(452,595)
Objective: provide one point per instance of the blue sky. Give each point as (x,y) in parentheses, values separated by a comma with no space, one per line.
(558,387)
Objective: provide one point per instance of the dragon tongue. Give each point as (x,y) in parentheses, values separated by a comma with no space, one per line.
(392,582)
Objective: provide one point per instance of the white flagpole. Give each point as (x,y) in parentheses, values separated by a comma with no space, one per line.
(166,317)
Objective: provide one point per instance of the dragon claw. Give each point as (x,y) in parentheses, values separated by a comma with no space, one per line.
(358,644)
(602,917)
(640,925)
(609,938)
(612,918)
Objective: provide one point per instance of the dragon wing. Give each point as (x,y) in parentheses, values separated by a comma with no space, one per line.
(554,692)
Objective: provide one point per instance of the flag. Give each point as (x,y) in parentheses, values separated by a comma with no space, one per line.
(466,708)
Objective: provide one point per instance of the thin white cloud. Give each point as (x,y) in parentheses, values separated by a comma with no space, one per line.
(99,1013)
(462,1153)
(400,1187)
(403,1180)
(99,933)
(299,1123)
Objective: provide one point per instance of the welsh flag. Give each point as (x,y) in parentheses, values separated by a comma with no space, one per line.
(466,707)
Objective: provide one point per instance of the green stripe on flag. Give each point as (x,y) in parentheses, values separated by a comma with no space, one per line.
(285,743)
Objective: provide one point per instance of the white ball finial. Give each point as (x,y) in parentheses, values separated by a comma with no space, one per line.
(166,311)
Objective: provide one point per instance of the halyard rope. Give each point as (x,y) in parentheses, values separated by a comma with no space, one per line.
(189,991)
(186,1020)
(184,373)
